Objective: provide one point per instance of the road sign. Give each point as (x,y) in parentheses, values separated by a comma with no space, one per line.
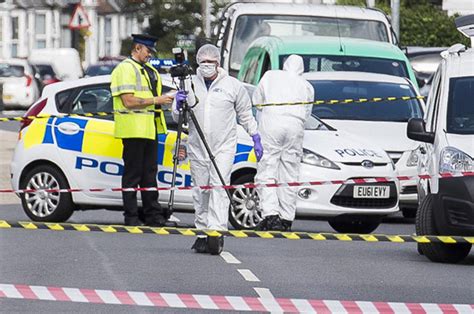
(79,18)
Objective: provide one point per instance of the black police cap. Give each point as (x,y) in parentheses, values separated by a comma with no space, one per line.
(146,40)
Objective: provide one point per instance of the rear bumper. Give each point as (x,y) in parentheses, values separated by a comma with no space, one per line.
(454,206)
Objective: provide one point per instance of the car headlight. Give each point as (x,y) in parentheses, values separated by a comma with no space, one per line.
(453,160)
(311,158)
(412,160)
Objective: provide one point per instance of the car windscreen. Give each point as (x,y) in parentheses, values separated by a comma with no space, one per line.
(250,27)
(323,63)
(460,105)
(104,69)
(390,111)
(45,70)
(9,70)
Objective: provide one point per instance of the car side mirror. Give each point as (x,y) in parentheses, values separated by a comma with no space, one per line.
(416,131)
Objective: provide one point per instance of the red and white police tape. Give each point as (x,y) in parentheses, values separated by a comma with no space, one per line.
(218,302)
(248,185)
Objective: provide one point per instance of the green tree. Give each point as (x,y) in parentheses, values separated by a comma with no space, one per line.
(421,23)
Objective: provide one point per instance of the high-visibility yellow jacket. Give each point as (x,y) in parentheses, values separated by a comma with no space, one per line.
(129,77)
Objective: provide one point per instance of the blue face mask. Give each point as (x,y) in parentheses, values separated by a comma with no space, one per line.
(208,69)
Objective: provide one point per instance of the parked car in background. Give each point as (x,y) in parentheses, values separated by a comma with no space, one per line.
(322,54)
(21,86)
(46,73)
(101,68)
(424,61)
(65,62)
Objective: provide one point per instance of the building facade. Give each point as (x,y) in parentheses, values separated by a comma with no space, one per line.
(30,24)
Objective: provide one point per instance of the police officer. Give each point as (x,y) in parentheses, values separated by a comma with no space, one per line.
(137,85)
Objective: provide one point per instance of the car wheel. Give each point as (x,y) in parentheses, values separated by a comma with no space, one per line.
(46,206)
(355,224)
(409,212)
(247,213)
(437,252)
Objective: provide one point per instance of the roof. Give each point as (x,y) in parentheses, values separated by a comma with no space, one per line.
(309,10)
(460,64)
(355,76)
(322,45)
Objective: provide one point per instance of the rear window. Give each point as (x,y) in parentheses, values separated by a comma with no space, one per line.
(9,70)
(390,111)
(45,69)
(461,106)
(104,69)
(322,63)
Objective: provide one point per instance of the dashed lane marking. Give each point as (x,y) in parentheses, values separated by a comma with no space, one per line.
(229,258)
(248,275)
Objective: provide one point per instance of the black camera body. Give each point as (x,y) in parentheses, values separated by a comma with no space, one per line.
(181,69)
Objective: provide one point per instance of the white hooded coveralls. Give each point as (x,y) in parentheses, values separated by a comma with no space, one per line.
(282,129)
(217,112)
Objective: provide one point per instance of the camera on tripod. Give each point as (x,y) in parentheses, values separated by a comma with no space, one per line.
(181,69)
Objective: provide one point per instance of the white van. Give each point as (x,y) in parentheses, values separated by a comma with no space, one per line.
(243,22)
(66,62)
(447,136)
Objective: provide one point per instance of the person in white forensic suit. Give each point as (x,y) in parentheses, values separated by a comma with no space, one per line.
(218,101)
(282,130)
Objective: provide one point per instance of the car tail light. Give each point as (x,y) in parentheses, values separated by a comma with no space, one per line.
(29,79)
(33,111)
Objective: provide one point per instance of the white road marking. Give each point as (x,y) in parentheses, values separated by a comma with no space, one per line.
(248,275)
(42,293)
(264,293)
(229,258)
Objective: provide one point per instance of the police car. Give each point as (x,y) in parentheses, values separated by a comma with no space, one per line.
(447,136)
(81,152)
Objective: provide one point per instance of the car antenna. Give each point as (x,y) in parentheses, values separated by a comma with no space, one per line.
(338,31)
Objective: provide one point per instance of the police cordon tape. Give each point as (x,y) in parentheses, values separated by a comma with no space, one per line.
(316,102)
(444,175)
(192,232)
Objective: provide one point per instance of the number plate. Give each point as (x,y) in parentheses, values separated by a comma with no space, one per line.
(371,191)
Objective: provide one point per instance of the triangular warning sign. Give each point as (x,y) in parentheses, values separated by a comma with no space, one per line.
(79,18)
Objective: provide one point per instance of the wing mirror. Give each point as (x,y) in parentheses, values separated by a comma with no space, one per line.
(416,131)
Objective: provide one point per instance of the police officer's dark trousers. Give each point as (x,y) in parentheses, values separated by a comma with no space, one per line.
(140,167)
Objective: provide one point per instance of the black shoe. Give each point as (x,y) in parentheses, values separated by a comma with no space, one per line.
(160,221)
(286,224)
(200,246)
(215,245)
(132,221)
(270,223)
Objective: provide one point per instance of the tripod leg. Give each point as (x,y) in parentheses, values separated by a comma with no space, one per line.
(175,160)
(209,152)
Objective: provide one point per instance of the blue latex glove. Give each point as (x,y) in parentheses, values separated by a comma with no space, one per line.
(257,146)
(181,97)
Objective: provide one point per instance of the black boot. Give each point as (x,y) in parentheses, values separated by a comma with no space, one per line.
(200,246)
(132,221)
(215,245)
(286,224)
